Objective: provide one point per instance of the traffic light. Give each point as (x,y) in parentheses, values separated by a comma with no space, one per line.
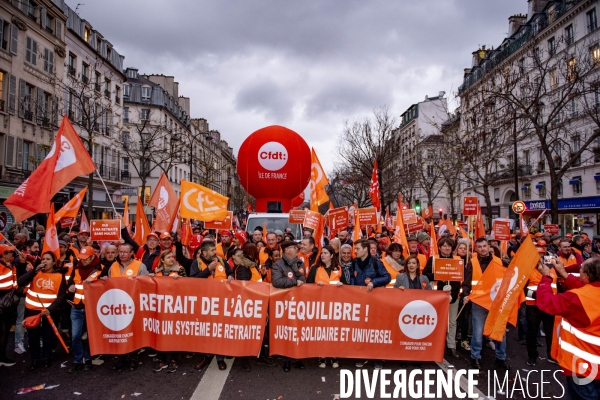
(441,212)
(418,206)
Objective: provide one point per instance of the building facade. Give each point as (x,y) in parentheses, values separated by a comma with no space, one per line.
(554,48)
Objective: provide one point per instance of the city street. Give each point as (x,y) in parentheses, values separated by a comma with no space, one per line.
(261,383)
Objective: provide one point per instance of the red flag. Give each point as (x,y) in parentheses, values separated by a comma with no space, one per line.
(84,225)
(51,238)
(165,201)
(142,227)
(374,189)
(125,218)
(55,172)
(524,227)
(186,232)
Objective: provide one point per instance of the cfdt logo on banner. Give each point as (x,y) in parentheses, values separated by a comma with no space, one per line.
(115,309)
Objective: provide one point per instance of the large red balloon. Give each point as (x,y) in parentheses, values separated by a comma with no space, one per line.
(274,165)
(298,200)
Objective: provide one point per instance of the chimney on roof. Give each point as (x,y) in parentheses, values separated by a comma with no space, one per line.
(479,55)
(515,22)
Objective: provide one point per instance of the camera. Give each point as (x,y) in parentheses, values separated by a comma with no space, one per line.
(548,259)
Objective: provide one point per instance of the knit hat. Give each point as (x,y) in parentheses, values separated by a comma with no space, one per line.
(287,243)
(422,237)
(554,237)
(411,239)
(242,237)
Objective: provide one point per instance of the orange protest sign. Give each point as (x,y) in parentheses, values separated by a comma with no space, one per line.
(367,216)
(105,230)
(410,216)
(506,301)
(296,216)
(329,321)
(448,269)
(338,218)
(193,315)
(470,205)
(501,230)
(552,229)
(222,224)
(312,219)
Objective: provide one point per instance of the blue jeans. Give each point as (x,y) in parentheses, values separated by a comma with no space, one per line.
(591,391)
(479,314)
(19,328)
(80,348)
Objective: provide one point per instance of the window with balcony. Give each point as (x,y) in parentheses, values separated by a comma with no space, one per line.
(569,35)
(526,189)
(126,92)
(125,139)
(576,146)
(577,185)
(553,79)
(85,73)
(72,64)
(145,114)
(541,187)
(31,52)
(522,66)
(572,69)
(592,22)
(595,54)
(551,46)
(125,115)
(117,95)
(27,98)
(541,161)
(107,88)
(572,108)
(97,80)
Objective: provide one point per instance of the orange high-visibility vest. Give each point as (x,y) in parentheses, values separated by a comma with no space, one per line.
(422,261)
(477,273)
(79,297)
(133,269)
(69,272)
(45,285)
(580,347)
(256,276)
(534,281)
(393,273)
(218,273)
(572,260)
(332,279)
(8,277)
(305,258)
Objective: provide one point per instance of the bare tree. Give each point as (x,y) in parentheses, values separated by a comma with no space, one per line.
(150,145)
(361,143)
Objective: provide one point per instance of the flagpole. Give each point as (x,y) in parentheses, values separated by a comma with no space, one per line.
(72,223)
(105,188)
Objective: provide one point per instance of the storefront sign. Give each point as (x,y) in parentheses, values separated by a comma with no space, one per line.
(5,192)
(565,204)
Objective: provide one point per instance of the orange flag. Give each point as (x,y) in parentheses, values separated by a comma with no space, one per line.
(479,226)
(175,220)
(84,225)
(54,173)
(125,218)
(427,212)
(71,209)
(510,293)
(264,238)
(165,201)
(523,225)
(399,232)
(318,233)
(434,246)
(51,238)
(485,291)
(142,227)
(318,181)
(374,188)
(203,204)
(449,226)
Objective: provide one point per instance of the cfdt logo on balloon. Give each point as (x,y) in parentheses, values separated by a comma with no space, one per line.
(115,309)
(272,156)
(418,319)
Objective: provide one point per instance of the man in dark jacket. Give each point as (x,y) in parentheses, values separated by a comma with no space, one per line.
(286,274)
(368,271)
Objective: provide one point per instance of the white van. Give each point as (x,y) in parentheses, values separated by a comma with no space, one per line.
(274,221)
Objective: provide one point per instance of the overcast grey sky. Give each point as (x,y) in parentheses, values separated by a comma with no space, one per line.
(307,65)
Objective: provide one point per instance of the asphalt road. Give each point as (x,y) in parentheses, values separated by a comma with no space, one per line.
(262,382)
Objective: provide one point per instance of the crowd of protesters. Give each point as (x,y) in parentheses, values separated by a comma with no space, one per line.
(47,285)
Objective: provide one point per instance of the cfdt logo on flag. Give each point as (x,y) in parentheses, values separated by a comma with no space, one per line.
(115,309)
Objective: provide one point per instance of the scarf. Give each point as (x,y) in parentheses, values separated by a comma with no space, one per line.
(395,264)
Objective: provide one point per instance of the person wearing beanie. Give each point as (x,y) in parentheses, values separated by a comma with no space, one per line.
(424,244)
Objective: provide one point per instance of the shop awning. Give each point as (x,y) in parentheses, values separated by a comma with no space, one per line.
(573,181)
(107,205)
(524,188)
(539,186)
(597,177)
